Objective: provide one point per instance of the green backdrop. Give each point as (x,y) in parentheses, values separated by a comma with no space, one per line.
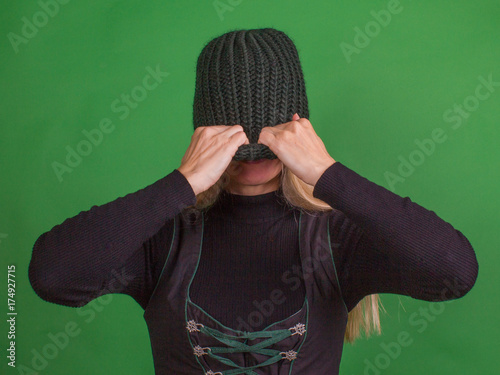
(406,94)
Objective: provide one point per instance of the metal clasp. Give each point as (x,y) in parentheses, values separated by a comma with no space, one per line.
(193,326)
(290,355)
(299,328)
(199,351)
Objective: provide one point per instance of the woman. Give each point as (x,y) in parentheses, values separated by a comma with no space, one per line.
(260,253)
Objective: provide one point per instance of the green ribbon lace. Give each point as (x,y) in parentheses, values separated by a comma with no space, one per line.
(235,346)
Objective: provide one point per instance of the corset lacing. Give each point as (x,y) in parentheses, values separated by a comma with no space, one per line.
(235,346)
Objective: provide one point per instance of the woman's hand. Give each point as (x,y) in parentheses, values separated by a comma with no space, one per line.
(211,150)
(298,146)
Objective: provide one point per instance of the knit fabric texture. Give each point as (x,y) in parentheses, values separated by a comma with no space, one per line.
(252,78)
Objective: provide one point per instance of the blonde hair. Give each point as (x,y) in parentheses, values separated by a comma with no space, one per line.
(365,315)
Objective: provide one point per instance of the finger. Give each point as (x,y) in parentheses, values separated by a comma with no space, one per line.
(240,138)
(243,131)
(264,135)
(231,130)
(295,117)
(226,128)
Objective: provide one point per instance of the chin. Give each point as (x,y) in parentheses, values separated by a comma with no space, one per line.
(254,172)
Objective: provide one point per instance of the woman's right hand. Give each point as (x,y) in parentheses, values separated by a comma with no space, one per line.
(211,150)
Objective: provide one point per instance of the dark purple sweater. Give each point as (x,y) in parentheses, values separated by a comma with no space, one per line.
(383,244)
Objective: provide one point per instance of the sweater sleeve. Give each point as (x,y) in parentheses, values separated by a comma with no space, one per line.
(389,244)
(111,248)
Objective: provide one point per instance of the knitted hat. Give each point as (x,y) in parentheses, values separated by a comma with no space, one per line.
(252,78)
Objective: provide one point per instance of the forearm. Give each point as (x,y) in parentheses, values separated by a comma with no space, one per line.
(422,252)
(77,257)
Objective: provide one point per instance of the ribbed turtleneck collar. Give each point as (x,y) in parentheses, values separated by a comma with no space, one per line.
(250,207)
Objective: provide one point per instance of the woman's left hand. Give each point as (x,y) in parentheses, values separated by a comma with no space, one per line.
(298,146)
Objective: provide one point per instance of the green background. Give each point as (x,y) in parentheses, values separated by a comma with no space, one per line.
(369,108)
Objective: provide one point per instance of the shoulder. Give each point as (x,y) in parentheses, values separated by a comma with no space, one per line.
(343,231)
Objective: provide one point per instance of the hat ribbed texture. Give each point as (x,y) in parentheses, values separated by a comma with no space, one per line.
(252,78)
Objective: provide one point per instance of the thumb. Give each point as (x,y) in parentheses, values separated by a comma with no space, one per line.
(295,117)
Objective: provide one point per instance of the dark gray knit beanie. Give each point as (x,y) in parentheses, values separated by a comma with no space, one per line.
(252,78)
